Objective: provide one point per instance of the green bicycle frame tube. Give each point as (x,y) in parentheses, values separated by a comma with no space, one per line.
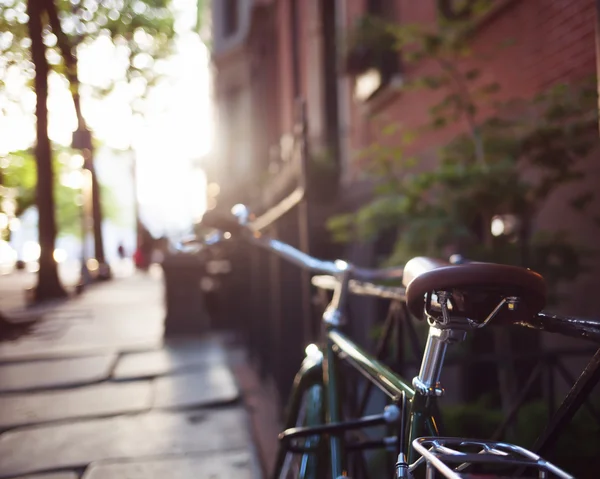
(309,468)
(339,348)
(376,372)
(310,373)
(422,422)
(333,410)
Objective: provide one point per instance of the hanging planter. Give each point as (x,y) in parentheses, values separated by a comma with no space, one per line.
(369,44)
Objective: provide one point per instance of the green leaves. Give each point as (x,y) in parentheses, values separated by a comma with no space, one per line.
(143,27)
(19,173)
(381,213)
(507,162)
(449,208)
(369,43)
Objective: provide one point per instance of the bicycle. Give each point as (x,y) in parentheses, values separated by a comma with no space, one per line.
(454,299)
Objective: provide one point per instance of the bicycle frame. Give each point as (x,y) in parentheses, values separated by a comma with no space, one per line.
(412,417)
(417,410)
(412,413)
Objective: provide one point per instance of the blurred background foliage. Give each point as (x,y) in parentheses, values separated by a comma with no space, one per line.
(19,175)
(489,183)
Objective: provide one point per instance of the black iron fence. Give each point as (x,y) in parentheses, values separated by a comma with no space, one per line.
(276,311)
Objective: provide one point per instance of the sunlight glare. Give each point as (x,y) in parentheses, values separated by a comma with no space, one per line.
(31,251)
(60,255)
(73,179)
(14,224)
(76,161)
(174,133)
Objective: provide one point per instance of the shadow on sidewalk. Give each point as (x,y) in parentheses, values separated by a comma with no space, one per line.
(29,318)
(13,330)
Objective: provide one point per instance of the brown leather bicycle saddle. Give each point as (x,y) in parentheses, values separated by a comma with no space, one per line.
(476,288)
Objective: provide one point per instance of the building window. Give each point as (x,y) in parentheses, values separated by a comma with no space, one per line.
(378,64)
(390,64)
(456,10)
(377,7)
(230,17)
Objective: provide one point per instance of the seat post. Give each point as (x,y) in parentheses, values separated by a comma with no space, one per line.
(427,382)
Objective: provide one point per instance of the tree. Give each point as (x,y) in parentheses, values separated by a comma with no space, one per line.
(82,138)
(67,44)
(160,24)
(20,177)
(48,285)
(142,28)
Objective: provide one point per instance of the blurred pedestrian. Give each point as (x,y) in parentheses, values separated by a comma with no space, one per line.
(140,259)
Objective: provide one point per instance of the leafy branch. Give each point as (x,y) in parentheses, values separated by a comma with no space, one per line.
(512,157)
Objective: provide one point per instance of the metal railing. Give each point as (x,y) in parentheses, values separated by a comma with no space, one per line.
(263,283)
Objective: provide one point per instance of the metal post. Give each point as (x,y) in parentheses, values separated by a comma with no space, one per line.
(136,203)
(571,404)
(598,48)
(84,278)
(276,329)
(84,274)
(301,134)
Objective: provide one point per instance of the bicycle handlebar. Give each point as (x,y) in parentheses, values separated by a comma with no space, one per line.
(573,327)
(293,255)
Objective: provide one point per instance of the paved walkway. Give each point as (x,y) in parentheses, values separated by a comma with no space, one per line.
(93,392)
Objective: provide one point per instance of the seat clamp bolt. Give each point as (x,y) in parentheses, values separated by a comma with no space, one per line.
(512,302)
(443,297)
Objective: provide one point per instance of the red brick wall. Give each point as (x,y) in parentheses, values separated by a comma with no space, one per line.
(553,41)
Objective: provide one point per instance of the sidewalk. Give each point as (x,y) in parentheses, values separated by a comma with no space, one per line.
(94,393)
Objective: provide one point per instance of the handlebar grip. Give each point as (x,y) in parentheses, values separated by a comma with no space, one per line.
(222,222)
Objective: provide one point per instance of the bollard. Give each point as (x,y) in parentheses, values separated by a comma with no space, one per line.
(186,312)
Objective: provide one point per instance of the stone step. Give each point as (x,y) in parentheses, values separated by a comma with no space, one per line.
(91,401)
(175,357)
(69,446)
(241,465)
(51,475)
(210,385)
(55,373)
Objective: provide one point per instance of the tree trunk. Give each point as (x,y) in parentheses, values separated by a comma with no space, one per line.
(70,60)
(48,285)
(136,204)
(104,271)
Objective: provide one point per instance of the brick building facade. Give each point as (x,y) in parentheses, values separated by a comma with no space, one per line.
(269,53)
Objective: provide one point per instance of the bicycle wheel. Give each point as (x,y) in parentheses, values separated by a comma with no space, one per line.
(305,465)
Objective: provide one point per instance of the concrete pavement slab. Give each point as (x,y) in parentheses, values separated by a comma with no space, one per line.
(51,475)
(91,401)
(210,385)
(241,465)
(122,314)
(55,373)
(174,357)
(64,446)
